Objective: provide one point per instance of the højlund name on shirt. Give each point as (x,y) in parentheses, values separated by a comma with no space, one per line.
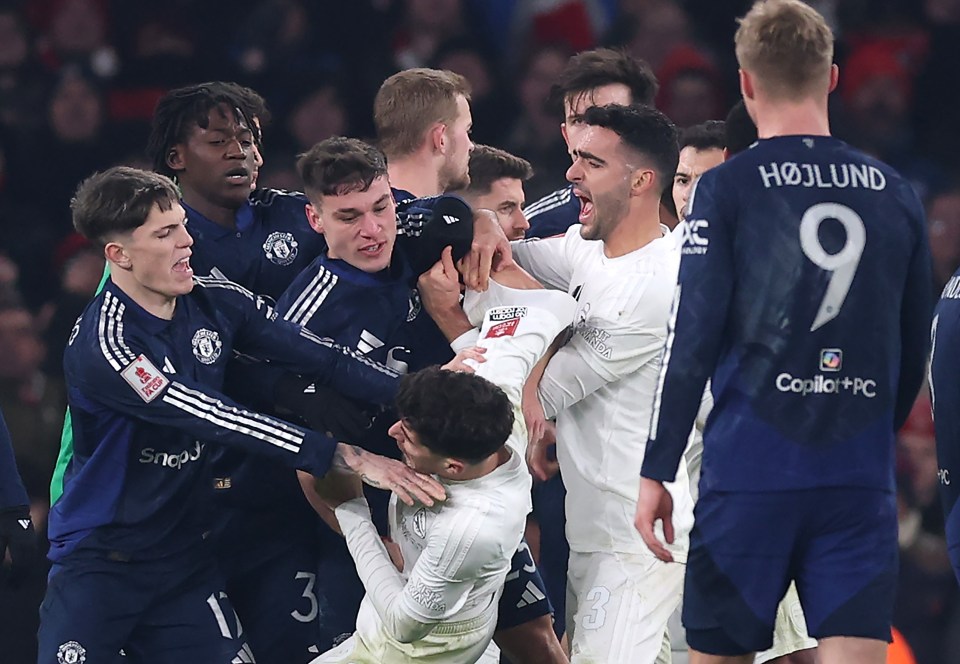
(822,176)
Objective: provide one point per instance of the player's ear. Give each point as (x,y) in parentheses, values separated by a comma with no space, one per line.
(566,139)
(834,77)
(641,180)
(437,135)
(454,467)
(746,84)
(174,158)
(116,254)
(313,217)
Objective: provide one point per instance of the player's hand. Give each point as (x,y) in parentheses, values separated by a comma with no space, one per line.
(440,285)
(541,454)
(337,487)
(654,503)
(533,416)
(391,475)
(18,541)
(459,362)
(489,252)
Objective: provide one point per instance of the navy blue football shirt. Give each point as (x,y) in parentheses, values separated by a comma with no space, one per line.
(146,398)
(804,293)
(945,395)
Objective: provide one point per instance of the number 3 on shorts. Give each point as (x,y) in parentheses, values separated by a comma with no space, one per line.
(600,596)
(310,596)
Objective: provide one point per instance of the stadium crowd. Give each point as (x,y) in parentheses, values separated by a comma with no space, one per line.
(80,80)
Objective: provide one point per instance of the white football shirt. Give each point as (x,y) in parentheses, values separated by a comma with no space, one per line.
(601,384)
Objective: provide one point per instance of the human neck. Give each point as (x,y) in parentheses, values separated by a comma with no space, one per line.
(158,304)
(638,229)
(221,216)
(414,174)
(807,117)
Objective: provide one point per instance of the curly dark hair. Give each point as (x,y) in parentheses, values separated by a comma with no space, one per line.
(457,415)
(605,66)
(180,110)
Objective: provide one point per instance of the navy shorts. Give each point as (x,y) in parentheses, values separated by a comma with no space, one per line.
(550,515)
(270,567)
(838,544)
(524,596)
(168,611)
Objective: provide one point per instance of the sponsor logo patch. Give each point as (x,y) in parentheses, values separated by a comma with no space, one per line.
(831,359)
(505,329)
(145,379)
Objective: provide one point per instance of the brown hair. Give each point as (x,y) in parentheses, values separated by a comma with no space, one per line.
(119,200)
(787,46)
(338,166)
(488,164)
(410,102)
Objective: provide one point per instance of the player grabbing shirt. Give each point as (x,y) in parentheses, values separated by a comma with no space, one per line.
(144,369)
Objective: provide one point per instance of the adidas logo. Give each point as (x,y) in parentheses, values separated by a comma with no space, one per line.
(244,656)
(531,595)
(449,219)
(24,523)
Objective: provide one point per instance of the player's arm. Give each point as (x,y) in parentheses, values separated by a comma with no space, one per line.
(437,585)
(599,352)
(915,313)
(696,325)
(295,348)
(17,536)
(549,261)
(944,382)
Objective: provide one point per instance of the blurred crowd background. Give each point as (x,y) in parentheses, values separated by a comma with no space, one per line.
(79,80)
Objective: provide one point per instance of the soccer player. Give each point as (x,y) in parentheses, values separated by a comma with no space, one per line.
(619,264)
(592,78)
(423,123)
(440,603)
(944,395)
(362,294)
(701,148)
(144,369)
(804,292)
(203,138)
(496,183)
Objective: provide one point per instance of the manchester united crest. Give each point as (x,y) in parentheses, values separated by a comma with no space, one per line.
(281,248)
(71,652)
(206,346)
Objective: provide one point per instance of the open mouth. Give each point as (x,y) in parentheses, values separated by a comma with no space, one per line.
(238,175)
(586,204)
(372,250)
(183,266)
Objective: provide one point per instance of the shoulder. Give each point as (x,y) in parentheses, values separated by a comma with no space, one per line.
(553,214)
(279,198)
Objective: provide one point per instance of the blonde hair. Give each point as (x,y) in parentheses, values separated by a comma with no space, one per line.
(410,102)
(787,46)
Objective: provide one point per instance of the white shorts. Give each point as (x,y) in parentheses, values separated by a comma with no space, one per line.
(790,629)
(618,606)
(467,642)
